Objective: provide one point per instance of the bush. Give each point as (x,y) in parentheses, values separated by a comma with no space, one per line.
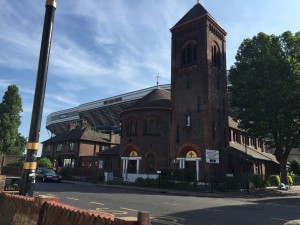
(183,175)
(274,180)
(290,180)
(258,181)
(146,182)
(17,164)
(44,162)
(66,172)
(229,184)
(100,177)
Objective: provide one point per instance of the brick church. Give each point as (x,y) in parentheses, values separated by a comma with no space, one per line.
(178,128)
(164,128)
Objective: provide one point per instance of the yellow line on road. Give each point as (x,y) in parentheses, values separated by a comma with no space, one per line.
(165,222)
(169,220)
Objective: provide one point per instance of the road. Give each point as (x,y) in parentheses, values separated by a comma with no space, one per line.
(172,209)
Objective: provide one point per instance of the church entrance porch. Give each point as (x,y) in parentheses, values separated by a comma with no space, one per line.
(189,159)
(190,163)
(130,165)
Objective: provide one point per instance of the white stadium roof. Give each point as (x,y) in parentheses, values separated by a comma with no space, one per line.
(102,114)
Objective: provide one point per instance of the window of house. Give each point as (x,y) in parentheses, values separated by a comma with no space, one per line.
(151,127)
(72,146)
(103,148)
(189,54)
(59,147)
(48,148)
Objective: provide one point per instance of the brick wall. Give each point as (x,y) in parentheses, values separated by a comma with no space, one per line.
(46,210)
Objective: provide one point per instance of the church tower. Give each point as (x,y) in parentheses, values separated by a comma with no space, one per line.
(199,119)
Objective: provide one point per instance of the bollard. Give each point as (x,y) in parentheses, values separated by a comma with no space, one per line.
(143,218)
(2,182)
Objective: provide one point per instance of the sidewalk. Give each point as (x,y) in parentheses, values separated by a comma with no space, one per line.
(268,192)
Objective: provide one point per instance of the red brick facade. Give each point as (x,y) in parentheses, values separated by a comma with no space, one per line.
(198,88)
(152,148)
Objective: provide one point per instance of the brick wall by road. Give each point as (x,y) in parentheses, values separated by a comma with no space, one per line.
(45,210)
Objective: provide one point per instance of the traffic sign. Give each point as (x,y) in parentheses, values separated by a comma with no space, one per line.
(212,156)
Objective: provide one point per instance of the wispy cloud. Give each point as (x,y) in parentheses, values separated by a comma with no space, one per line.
(105,48)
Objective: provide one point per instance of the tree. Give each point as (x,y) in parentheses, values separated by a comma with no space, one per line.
(265,91)
(44,162)
(11,141)
(295,166)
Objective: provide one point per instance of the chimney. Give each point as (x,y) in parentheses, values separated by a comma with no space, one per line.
(72,125)
(112,137)
(84,123)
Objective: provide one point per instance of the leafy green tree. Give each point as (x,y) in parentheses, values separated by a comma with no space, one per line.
(44,162)
(265,91)
(295,166)
(11,141)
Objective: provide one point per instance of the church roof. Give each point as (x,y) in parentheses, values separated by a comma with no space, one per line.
(83,134)
(157,98)
(197,11)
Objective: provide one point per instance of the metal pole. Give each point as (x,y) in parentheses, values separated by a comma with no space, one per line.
(247,170)
(28,174)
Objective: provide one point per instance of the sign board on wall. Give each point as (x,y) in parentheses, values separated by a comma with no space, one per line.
(212,156)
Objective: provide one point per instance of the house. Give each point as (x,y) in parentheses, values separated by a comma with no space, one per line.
(78,146)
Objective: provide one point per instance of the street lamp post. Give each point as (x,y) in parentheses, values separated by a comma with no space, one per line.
(247,170)
(30,164)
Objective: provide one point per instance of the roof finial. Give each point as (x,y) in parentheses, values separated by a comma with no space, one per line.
(157,76)
(198,1)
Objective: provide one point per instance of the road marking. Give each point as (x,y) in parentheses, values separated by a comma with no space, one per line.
(134,210)
(279,219)
(97,203)
(169,220)
(213,210)
(173,204)
(75,199)
(50,195)
(111,211)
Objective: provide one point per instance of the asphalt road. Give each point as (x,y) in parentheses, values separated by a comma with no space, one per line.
(173,209)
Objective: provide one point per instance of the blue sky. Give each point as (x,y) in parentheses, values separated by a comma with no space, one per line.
(102,48)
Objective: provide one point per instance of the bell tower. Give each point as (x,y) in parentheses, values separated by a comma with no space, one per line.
(199,118)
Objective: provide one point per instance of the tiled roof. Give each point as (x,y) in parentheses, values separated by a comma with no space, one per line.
(84,134)
(252,153)
(158,98)
(197,11)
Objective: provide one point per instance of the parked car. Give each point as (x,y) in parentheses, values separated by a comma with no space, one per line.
(45,174)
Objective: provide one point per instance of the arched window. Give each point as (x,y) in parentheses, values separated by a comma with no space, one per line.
(189,54)
(198,104)
(151,127)
(216,55)
(131,128)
